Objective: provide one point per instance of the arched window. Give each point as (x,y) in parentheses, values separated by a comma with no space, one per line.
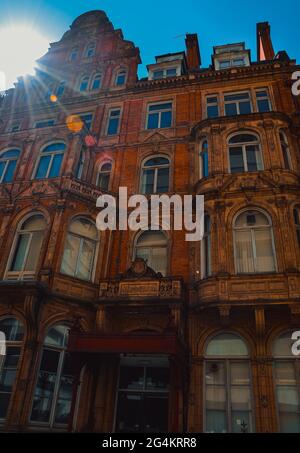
(287,384)
(13,332)
(285,151)
(61,89)
(103,177)
(80,249)
(254,244)
(84,83)
(27,247)
(53,392)
(155,175)
(244,153)
(74,54)
(228,393)
(90,50)
(96,84)
(121,77)
(152,247)
(204,159)
(8,162)
(206,249)
(50,161)
(297,223)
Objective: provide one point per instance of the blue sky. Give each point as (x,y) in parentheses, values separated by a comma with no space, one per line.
(158,27)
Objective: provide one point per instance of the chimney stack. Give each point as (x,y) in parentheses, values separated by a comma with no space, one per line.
(265,49)
(192,52)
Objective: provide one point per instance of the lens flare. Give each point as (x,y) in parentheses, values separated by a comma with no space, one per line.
(53,98)
(74,123)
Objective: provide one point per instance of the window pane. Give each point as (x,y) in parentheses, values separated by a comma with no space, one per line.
(212,111)
(70,256)
(148,181)
(162,180)
(43,167)
(244,252)
(166,119)
(103,181)
(132,378)
(57,336)
(85,260)
(204,164)
(113,126)
(157,378)
(263,105)
(283,345)
(264,251)
(230,109)
(236,160)
(215,373)
(9,174)
(241,421)
(4,402)
(12,329)
(216,420)
(19,255)
(239,374)
(152,121)
(253,158)
(245,107)
(34,251)
(2,166)
(227,344)
(56,165)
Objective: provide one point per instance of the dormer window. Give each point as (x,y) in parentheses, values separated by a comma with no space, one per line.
(231,56)
(164,73)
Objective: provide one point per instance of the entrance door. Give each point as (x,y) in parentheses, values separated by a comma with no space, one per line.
(142,404)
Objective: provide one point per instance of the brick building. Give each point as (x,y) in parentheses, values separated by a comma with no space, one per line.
(124,331)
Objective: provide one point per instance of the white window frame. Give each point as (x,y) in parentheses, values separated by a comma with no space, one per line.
(253,244)
(23,275)
(81,239)
(113,109)
(156,168)
(153,104)
(244,151)
(62,351)
(237,103)
(41,154)
(267,97)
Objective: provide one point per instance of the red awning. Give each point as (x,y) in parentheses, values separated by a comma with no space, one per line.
(142,343)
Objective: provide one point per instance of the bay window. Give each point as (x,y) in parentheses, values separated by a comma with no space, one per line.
(244,153)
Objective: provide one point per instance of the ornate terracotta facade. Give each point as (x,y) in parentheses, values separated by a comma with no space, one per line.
(123,310)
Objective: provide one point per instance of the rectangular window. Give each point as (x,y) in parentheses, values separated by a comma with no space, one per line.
(228,397)
(8,373)
(263,101)
(212,107)
(44,123)
(237,104)
(159,116)
(113,121)
(288,396)
(224,64)
(171,72)
(158,75)
(238,62)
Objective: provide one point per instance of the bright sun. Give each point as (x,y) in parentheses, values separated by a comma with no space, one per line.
(20,46)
